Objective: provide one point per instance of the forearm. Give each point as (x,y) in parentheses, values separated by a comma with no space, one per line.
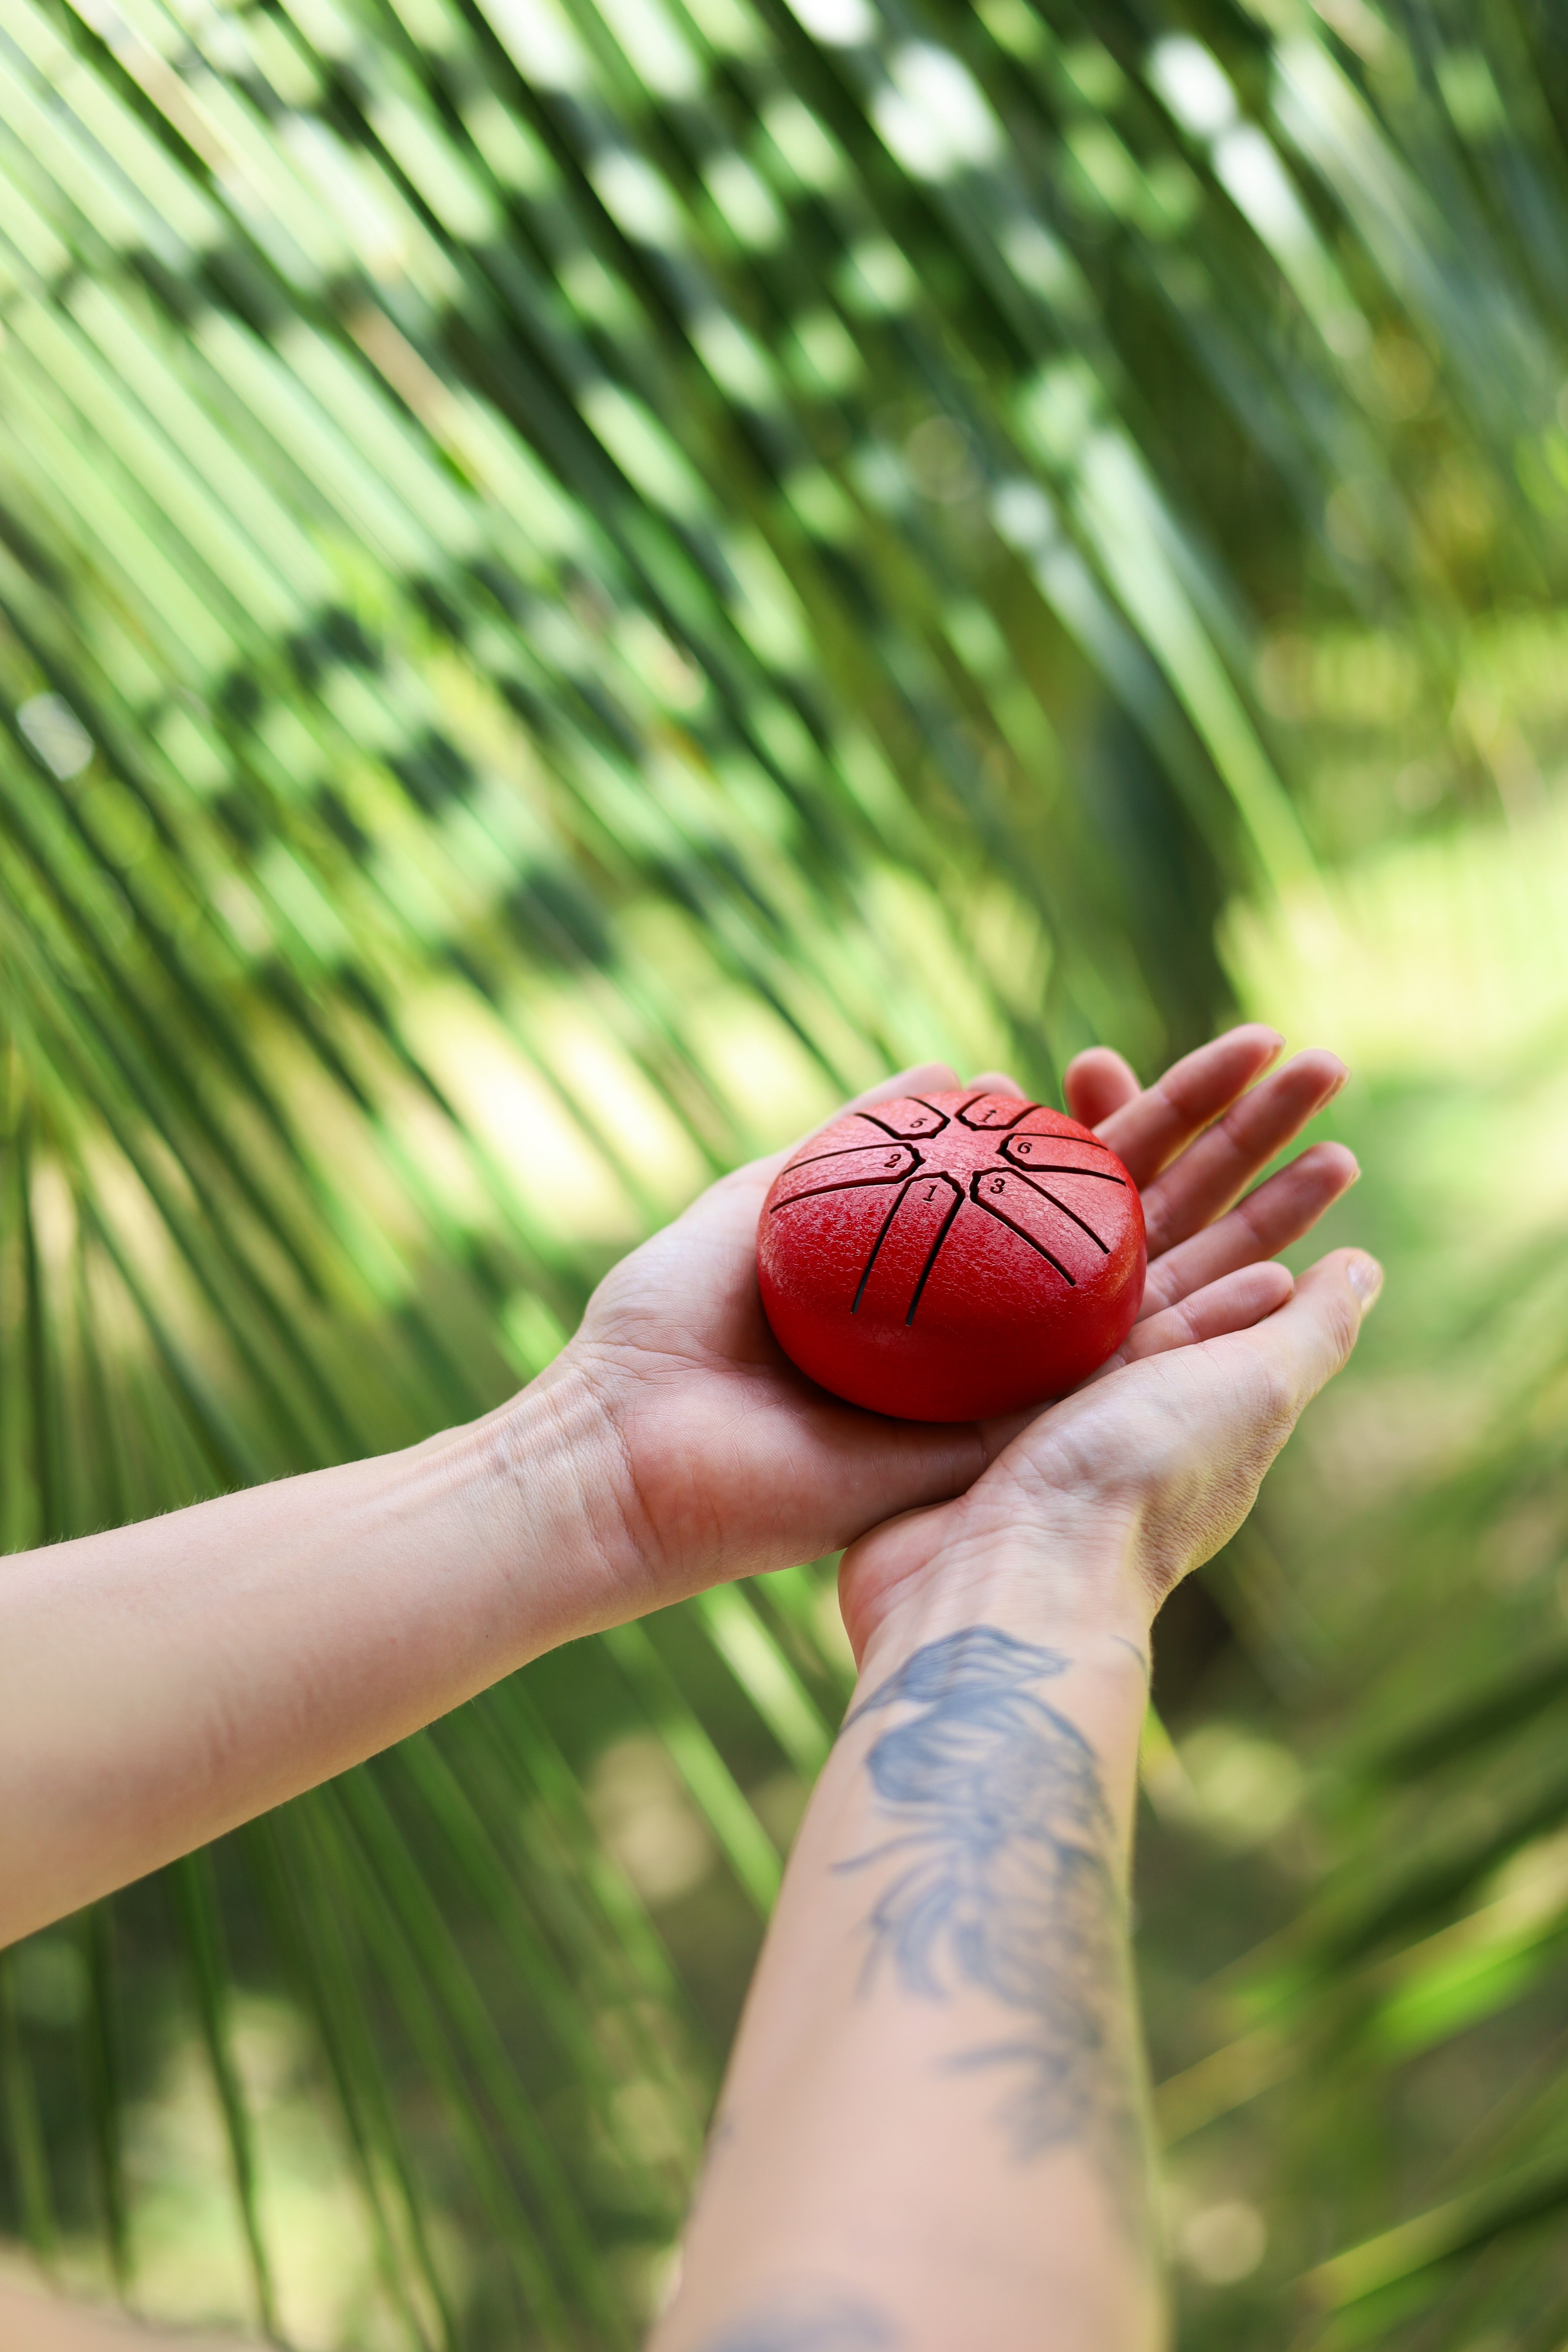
(934,2130)
(35,2322)
(161,1683)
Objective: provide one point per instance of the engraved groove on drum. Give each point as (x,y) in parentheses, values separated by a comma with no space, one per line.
(916,1120)
(1056,1135)
(942,1233)
(845,1172)
(1021,1150)
(991,1189)
(992,1119)
(1046,1194)
(811,1159)
(917,1225)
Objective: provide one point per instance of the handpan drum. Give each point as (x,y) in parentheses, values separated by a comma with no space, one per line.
(948,1256)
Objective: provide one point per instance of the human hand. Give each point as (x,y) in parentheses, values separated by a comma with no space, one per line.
(1097,1505)
(726,1461)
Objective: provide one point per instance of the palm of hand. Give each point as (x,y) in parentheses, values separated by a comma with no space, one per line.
(735,1463)
(1151,1466)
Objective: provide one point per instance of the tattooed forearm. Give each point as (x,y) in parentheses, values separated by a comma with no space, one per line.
(1002,1880)
(832,2327)
(1134,1651)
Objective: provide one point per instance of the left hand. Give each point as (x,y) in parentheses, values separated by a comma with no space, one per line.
(1094,1507)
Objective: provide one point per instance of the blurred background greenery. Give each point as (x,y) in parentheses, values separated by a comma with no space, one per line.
(578,578)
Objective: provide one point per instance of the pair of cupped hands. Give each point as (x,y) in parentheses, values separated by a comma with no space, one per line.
(728,1462)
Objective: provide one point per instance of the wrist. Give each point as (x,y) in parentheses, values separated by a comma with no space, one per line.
(560,1503)
(1060,1612)
(1069,1651)
(1074,1577)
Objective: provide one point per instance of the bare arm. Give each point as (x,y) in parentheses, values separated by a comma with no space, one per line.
(33,2322)
(933,2129)
(161,1683)
(932,2133)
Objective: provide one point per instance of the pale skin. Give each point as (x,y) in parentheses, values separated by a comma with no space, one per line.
(161,1682)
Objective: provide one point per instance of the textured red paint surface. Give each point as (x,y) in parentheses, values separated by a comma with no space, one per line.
(951,1255)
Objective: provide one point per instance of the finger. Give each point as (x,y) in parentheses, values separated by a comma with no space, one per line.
(1300,1349)
(1214,1171)
(996,1082)
(1147,1133)
(1235,1302)
(1180,1441)
(1098,1083)
(1267,1222)
(1297,1334)
(1255,1349)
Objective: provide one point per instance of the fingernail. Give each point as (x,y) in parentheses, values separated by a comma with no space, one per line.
(1365,1278)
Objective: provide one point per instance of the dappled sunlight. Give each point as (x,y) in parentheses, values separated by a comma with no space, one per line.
(580,578)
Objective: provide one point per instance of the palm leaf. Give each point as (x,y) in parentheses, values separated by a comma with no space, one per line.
(574,583)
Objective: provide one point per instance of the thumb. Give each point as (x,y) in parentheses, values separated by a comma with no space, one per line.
(1300,1348)
(1239,1397)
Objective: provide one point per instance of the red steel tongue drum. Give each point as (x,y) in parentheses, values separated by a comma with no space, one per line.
(948,1256)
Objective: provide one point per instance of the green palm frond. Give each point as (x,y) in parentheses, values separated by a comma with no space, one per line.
(574,583)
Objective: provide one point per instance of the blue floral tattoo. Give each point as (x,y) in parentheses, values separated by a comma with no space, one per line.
(819,2328)
(1003,1837)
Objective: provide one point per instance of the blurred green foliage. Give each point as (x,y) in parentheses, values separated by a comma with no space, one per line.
(1352,1894)
(574,581)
